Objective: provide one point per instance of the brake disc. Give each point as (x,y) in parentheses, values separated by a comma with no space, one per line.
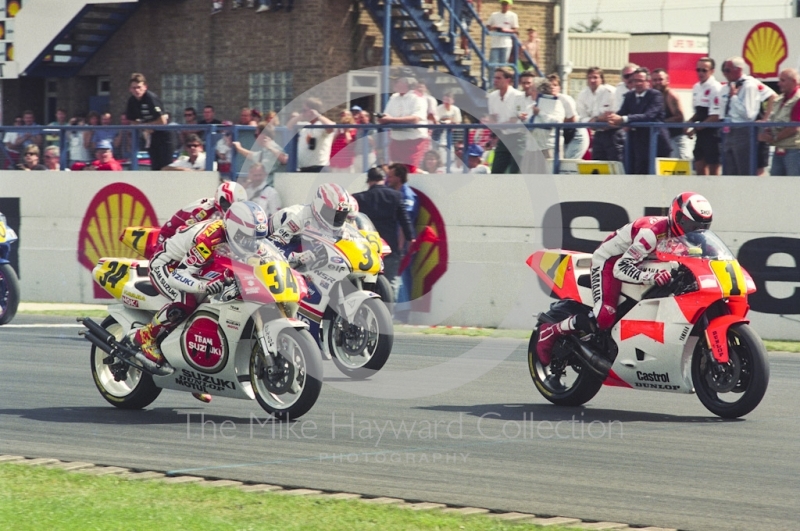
(723,377)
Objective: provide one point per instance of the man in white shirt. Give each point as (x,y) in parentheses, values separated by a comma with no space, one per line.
(545,108)
(704,94)
(503,21)
(576,141)
(505,104)
(314,145)
(406,146)
(596,104)
(739,102)
(194,161)
(447,113)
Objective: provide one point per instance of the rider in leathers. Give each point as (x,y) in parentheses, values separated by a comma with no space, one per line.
(176,269)
(618,260)
(328,211)
(205,209)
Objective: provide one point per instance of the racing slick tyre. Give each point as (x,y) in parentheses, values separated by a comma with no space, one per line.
(9,293)
(565,381)
(288,383)
(383,288)
(120,384)
(733,389)
(361,347)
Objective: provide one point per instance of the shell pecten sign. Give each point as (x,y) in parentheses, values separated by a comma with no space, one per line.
(764,49)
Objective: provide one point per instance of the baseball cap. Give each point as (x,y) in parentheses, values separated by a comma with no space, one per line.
(103,144)
(475,150)
(356,108)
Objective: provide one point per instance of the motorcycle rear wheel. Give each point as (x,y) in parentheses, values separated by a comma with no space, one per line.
(574,385)
(137,391)
(365,343)
(9,293)
(288,384)
(747,364)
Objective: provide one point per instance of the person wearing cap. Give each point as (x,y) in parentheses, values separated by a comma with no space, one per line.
(506,23)
(104,158)
(386,209)
(406,146)
(30,159)
(475,160)
(355,109)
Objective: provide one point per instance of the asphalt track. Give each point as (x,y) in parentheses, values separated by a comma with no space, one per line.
(635,457)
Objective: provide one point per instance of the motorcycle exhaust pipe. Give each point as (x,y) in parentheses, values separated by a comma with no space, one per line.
(99,343)
(597,363)
(98,331)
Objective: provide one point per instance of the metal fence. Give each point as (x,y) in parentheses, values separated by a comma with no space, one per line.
(288,139)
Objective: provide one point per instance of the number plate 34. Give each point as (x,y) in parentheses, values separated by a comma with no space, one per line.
(113,274)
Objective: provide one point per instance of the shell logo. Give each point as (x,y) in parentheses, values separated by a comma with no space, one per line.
(113,208)
(2,31)
(13,7)
(10,51)
(430,262)
(765,47)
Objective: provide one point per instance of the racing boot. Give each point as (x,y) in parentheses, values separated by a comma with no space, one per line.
(202,397)
(149,354)
(549,334)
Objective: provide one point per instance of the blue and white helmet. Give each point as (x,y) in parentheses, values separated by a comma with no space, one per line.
(245,226)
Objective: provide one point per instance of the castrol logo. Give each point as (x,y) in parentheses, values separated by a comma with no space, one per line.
(764,49)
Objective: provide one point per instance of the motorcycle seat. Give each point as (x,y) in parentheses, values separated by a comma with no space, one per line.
(585,281)
(147,288)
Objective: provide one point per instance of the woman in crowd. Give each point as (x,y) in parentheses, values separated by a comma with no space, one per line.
(30,159)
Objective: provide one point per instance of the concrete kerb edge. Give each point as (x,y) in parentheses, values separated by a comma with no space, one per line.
(412,504)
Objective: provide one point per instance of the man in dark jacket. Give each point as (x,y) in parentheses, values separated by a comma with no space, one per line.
(386,209)
(642,104)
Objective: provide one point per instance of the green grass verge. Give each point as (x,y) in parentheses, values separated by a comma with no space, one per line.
(35,498)
(67,313)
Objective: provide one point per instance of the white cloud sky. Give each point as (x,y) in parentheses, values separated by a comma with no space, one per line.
(673,16)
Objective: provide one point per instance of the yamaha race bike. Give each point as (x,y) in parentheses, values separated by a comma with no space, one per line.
(690,336)
(9,283)
(352,324)
(376,283)
(243,343)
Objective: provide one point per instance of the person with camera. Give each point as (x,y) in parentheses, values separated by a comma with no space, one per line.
(314,145)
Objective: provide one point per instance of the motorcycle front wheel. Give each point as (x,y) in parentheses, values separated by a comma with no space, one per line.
(733,389)
(287,384)
(362,346)
(120,384)
(564,382)
(9,293)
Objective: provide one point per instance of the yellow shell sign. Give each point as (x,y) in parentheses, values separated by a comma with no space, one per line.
(764,49)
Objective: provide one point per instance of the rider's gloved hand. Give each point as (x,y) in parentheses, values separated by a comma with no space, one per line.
(215,286)
(304,258)
(662,277)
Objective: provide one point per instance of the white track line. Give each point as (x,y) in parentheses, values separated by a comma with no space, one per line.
(41,326)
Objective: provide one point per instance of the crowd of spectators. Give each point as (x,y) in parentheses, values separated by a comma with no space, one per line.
(611,115)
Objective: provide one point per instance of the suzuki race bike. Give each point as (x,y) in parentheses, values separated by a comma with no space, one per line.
(243,343)
(9,283)
(689,336)
(352,324)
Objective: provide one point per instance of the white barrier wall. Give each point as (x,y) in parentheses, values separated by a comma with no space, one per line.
(493,223)
(53,206)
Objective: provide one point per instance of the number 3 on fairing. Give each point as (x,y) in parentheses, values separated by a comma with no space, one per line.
(115,272)
(281,281)
(366,252)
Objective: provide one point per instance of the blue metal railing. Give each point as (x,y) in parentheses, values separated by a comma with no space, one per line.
(288,139)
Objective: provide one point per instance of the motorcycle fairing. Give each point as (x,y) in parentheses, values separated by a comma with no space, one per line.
(717,335)
(143,240)
(557,269)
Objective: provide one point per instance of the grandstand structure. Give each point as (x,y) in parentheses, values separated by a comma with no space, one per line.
(78,55)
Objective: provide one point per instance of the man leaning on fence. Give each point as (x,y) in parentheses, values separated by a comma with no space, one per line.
(786,140)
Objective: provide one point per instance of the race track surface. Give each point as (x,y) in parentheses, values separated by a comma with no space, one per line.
(628,456)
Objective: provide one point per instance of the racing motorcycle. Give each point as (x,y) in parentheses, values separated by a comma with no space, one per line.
(376,283)
(352,325)
(9,283)
(689,336)
(242,343)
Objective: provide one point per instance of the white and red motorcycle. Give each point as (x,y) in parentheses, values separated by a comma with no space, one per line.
(243,343)
(689,336)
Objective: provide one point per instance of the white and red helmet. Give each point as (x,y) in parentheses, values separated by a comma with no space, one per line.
(689,212)
(331,205)
(228,193)
(245,227)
